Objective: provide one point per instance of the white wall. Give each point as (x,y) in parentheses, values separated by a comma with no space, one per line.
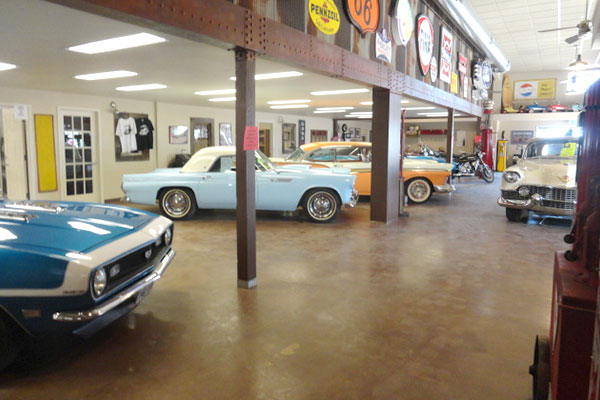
(436,142)
(161,114)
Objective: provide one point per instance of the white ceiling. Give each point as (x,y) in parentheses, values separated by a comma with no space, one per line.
(514,25)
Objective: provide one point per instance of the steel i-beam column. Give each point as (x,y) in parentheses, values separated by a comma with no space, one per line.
(450,136)
(245,108)
(385,172)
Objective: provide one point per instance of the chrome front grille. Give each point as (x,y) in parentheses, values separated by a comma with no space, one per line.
(564,199)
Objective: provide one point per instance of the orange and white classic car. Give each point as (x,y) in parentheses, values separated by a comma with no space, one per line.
(421,177)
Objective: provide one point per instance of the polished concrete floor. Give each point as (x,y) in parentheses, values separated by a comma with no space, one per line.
(444,304)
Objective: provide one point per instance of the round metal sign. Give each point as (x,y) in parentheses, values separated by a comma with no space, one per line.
(425,38)
(433,69)
(325,15)
(402,22)
(486,74)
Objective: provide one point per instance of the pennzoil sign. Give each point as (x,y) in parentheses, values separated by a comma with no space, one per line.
(325,15)
(364,14)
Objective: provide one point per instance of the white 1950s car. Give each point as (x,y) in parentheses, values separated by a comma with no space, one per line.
(543,181)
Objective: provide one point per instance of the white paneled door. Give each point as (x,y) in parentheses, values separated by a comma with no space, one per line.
(78,144)
(14,157)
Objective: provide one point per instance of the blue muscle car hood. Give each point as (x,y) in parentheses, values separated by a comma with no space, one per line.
(65,226)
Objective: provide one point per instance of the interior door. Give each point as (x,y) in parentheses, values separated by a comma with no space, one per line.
(264,137)
(80,174)
(202,133)
(13,157)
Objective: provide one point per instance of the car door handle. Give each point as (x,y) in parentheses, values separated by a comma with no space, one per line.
(206,178)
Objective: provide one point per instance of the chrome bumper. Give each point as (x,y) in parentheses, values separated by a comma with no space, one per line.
(140,288)
(353,198)
(125,199)
(534,204)
(445,188)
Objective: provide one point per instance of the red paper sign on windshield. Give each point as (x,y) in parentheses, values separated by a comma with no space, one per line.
(251,138)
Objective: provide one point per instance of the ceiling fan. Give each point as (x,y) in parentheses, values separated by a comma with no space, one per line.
(584,28)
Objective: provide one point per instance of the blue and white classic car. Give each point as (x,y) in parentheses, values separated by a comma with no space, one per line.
(207,180)
(74,267)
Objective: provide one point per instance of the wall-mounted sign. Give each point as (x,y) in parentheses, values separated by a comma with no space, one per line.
(486,74)
(445,55)
(433,70)
(383,46)
(402,22)
(425,39)
(462,66)
(465,85)
(21,112)
(251,138)
(301,132)
(325,15)
(535,89)
(364,14)
(476,75)
(454,83)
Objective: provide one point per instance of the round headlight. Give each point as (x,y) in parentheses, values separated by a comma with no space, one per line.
(524,191)
(511,176)
(99,282)
(168,237)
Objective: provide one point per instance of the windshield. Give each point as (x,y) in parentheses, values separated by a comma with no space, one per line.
(296,155)
(552,149)
(262,162)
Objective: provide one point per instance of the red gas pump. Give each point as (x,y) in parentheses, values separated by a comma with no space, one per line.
(487,136)
(564,357)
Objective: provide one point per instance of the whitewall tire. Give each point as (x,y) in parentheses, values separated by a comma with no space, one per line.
(178,203)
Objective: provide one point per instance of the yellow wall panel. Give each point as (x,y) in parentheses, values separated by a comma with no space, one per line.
(46,157)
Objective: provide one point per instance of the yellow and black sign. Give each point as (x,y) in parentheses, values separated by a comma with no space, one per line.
(325,15)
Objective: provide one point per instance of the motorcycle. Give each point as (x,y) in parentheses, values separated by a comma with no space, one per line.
(471,164)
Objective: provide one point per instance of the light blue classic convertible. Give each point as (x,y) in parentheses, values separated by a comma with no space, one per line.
(74,267)
(207,180)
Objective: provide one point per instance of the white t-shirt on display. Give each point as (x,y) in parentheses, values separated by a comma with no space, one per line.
(126,131)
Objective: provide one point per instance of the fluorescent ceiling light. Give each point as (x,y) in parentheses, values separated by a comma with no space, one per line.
(118,43)
(221,99)
(418,108)
(136,88)
(329,112)
(288,101)
(6,66)
(290,106)
(343,91)
(274,75)
(404,101)
(368,103)
(359,116)
(214,92)
(105,75)
(334,108)
(362,113)
(439,114)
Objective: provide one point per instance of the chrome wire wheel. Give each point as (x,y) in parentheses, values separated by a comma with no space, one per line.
(177,203)
(418,190)
(321,205)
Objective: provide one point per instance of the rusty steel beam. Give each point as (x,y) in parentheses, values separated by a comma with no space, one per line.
(225,24)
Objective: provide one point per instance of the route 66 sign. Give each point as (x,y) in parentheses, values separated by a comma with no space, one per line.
(425,37)
(364,14)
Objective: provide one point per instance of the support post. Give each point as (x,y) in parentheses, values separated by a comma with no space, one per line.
(450,136)
(385,171)
(245,107)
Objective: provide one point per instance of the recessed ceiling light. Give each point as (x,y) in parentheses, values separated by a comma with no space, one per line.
(105,75)
(329,112)
(220,99)
(6,66)
(135,88)
(418,108)
(290,106)
(214,92)
(118,43)
(343,91)
(367,103)
(334,108)
(288,101)
(274,75)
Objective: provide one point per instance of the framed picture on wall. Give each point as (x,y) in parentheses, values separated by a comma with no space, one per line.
(288,138)
(225,138)
(178,134)
(520,137)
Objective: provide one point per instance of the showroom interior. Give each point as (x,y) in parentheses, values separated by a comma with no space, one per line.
(428,281)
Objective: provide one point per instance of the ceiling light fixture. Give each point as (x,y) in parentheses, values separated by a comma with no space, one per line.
(6,66)
(288,101)
(418,108)
(118,43)
(221,99)
(274,75)
(136,88)
(289,106)
(404,101)
(359,116)
(343,91)
(367,103)
(333,108)
(362,113)
(578,63)
(214,92)
(105,75)
(329,112)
